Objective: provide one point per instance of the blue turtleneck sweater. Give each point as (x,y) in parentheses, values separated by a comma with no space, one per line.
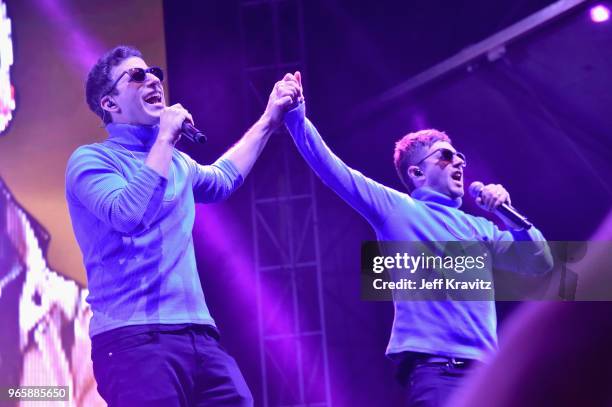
(134,228)
(465,329)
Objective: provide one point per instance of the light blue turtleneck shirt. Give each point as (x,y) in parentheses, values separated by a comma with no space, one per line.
(134,228)
(464,329)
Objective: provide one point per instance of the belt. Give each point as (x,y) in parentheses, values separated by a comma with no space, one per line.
(445,361)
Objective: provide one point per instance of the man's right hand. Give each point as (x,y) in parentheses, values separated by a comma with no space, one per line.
(284,96)
(170,123)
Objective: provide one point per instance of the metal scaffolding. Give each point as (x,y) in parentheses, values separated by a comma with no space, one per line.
(292,339)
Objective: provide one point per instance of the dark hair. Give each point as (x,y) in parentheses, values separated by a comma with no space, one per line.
(99,78)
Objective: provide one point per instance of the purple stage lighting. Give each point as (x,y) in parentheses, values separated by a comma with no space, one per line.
(600,13)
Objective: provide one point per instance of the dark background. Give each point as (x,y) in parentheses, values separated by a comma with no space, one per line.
(536,120)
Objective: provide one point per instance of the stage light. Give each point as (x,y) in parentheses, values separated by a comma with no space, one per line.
(600,13)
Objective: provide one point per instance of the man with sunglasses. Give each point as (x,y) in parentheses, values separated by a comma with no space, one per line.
(131,200)
(435,343)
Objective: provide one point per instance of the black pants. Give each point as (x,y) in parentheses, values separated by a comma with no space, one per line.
(430,384)
(166,365)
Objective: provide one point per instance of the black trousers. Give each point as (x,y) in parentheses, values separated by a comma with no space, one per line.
(431,384)
(166,365)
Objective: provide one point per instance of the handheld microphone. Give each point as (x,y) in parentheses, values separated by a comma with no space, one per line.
(504,209)
(192,134)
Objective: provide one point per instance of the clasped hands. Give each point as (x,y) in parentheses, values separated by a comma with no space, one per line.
(286,94)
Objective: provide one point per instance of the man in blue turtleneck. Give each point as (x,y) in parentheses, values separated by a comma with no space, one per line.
(434,342)
(131,200)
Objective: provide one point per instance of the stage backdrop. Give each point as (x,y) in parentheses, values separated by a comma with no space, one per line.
(55,42)
(45,339)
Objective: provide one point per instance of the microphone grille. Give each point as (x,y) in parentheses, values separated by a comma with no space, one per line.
(475,188)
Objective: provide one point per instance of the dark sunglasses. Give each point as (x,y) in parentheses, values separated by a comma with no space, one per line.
(138,75)
(446,155)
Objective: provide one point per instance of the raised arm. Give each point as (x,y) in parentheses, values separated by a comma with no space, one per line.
(216,182)
(246,151)
(372,200)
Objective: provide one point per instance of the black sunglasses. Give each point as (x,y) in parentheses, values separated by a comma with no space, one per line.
(139,75)
(446,155)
